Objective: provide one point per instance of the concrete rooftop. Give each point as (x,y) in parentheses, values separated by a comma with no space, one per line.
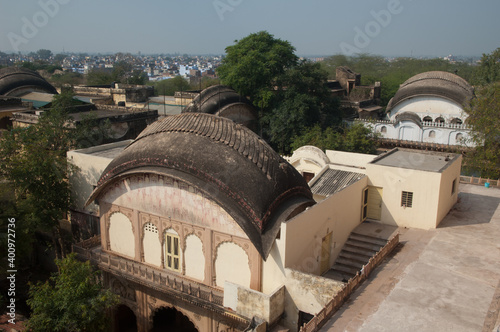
(430,161)
(445,279)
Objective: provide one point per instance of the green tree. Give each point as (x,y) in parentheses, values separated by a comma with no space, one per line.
(484,118)
(33,160)
(302,99)
(137,77)
(356,138)
(72,300)
(59,57)
(44,53)
(253,64)
(169,86)
(489,69)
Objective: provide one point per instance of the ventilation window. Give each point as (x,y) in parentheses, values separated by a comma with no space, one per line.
(383,130)
(454,186)
(149,227)
(407,199)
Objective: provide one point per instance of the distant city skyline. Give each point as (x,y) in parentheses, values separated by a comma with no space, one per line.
(316,28)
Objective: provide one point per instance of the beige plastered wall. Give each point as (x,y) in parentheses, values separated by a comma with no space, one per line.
(88,171)
(294,260)
(446,199)
(425,187)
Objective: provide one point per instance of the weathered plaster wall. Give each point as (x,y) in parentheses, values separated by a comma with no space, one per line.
(250,303)
(164,196)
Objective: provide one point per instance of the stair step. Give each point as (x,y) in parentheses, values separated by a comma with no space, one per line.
(349,262)
(354,256)
(358,250)
(368,238)
(345,268)
(364,245)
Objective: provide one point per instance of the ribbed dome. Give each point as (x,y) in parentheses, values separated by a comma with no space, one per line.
(18,81)
(434,83)
(227,161)
(213,99)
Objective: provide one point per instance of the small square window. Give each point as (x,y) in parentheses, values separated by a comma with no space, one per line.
(407,199)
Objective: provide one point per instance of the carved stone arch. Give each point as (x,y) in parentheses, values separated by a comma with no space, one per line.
(129,213)
(158,305)
(221,270)
(154,220)
(222,238)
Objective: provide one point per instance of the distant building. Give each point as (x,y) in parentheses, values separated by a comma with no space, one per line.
(428,108)
(116,94)
(357,101)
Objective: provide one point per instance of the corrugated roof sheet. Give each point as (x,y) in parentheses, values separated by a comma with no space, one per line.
(334,180)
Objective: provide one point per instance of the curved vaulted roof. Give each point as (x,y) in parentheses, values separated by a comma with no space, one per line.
(216,98)
(434,83)
(16,81)
(228,162)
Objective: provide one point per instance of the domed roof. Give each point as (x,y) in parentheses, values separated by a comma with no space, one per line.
(16,81)
(215,98)
(434,83)
(228,162)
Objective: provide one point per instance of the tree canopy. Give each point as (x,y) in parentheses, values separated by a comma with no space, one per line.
(356,138)
(72,300)
(489,68)
(33,161)
(484,118)
(291,95)
(253,64)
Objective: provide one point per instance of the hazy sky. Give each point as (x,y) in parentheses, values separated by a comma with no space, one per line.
(315,27)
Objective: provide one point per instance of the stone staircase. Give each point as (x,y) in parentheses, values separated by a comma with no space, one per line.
(356,252)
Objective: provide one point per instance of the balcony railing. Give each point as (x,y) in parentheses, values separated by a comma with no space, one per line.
(161,280)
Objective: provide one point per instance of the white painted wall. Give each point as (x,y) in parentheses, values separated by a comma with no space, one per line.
(232,265)
(151,245)
(430,106)
(194,258)
(121,236)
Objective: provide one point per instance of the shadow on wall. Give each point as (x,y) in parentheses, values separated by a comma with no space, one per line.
(471,209)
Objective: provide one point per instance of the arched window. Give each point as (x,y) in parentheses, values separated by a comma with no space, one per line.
(456,121)
(439,120)
(383,130)
(459,137)
(427,119)
(151,244)
(432,134)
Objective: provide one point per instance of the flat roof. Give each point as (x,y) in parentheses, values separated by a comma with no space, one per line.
(421,160)
(110,151)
